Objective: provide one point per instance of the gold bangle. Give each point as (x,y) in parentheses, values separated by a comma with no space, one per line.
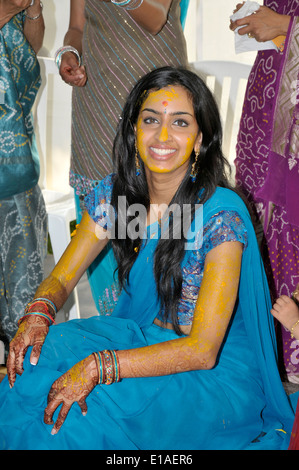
(296,292)
(294,326)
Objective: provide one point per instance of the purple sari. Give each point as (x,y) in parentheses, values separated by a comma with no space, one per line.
(267,163)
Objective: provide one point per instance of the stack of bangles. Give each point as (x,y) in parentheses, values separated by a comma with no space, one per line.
(62,50)
(33,309)
(108,367)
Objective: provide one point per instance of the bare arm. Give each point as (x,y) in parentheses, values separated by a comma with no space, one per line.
(34,29)
(89,240)
(69,70)
(73,36)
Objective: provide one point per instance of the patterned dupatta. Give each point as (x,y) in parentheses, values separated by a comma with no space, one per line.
(282,183)
(19,84)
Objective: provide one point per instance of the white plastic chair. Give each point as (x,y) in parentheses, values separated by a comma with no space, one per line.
(2,354)
(52,116)
(227,80)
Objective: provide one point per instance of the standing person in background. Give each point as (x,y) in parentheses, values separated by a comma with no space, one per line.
(109,45)
(23,218)
(267,163)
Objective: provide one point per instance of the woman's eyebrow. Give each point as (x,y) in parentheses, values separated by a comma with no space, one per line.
(176,113)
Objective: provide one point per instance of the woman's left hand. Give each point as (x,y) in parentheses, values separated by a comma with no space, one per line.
(73,386)
(264,25)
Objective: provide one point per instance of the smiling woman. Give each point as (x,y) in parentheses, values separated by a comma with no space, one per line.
(189,322)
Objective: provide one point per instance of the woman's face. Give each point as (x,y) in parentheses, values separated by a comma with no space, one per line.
(167,130)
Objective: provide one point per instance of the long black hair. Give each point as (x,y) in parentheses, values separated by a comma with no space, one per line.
(211,169)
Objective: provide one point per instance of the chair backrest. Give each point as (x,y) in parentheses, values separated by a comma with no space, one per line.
(52,118)
(227,81)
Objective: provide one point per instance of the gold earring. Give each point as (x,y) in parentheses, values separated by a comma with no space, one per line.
(194,171)
(137,164)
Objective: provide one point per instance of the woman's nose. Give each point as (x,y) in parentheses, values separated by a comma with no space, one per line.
(163,136)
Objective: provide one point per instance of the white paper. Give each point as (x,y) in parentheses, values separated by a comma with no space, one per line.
(244,43)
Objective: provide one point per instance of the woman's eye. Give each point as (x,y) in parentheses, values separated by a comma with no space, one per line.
(150,120)
(181,123)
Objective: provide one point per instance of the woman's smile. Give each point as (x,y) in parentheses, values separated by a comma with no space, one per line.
(161,153)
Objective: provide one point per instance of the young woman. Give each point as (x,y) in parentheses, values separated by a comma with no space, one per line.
(181,362)
(118,42)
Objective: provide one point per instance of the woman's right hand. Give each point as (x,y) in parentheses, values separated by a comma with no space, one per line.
(32,332)
(70,71)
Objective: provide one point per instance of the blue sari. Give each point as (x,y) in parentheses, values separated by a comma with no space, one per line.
(239,404)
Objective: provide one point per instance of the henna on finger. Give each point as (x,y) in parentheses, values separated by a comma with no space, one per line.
(61,418)
(11,370)
(32,332)
(83,406)
(73,386)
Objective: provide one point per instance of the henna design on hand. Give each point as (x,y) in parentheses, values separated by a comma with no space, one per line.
(32,332)
(73,386)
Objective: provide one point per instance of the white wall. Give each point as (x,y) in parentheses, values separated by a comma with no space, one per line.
(56,14)
(208,38)
(207,31)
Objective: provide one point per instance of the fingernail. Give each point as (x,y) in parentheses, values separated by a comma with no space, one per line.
(84,413)
(53,432)
(33,361)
